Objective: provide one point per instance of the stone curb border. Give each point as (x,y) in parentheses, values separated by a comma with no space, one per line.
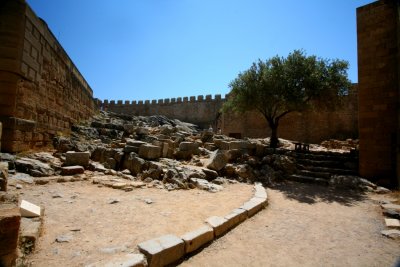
(168,249)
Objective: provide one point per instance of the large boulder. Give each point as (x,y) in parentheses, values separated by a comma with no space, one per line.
(217,160)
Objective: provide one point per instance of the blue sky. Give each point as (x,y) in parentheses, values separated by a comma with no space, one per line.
(156,49)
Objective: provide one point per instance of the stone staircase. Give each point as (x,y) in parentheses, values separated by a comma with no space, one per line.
(318,167)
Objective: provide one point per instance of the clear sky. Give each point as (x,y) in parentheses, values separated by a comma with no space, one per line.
(156,49)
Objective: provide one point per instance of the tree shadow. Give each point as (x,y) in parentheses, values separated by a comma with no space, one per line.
(311,193)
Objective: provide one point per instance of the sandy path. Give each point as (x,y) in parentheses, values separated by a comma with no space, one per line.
(100,230)
(306,225)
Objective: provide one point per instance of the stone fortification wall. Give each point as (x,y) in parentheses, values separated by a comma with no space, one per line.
(311,126)
(41,91)
(200,110)
(378,32)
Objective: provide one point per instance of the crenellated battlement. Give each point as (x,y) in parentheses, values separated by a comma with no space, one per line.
(167,101)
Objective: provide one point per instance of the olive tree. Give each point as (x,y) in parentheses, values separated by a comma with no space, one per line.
(279,86)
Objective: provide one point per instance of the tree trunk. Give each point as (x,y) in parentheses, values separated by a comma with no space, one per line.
(274,136)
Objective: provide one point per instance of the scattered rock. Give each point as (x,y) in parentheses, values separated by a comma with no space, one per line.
(148,201)
(113,201)
(64,238)
(33,167)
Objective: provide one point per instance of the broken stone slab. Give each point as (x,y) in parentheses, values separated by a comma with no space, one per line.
(205,185)
(391,206)
(150,152)
(77,158)
(10,219)
(392,223)
(217,160)
(253,206)
(30,210)
(30,232)
(163,250)
(236,217)
(128,260)
(197,238)
(219,224)
(72,170)
(392,233)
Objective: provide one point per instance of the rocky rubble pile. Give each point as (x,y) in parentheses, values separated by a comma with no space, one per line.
(154,151)
(125,152)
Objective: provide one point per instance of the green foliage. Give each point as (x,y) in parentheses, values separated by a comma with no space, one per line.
(280,85)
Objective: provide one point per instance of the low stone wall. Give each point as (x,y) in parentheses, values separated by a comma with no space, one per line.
(42,92)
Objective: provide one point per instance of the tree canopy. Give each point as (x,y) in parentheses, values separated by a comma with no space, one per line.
(279,86)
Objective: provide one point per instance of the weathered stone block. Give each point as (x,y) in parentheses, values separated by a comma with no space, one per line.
(236,217)
(392,223)
(30,232)
(72,170)
(219,224)
(163,250)
(189,146)
(30,210)
(3,176)
(77,158)
(217,160)
(253,206)
(149,151)
(10,219)
(198,238)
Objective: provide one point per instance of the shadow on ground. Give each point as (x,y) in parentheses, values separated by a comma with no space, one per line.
(310,193)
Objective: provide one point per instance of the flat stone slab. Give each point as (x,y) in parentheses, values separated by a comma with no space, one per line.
(197,238)
(219,224)
(392,223)
(391,207)
(236,217)
(163,250)
(29,210)
(253,206)
(129,260)
(260,191)
(394,234)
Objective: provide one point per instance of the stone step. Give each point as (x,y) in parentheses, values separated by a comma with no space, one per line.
(308,179)
(324,175)
(335,157)
(336,171)
(328,164)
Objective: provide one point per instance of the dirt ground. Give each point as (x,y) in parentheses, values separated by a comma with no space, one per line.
(81,213)
(304,225)
(307,225)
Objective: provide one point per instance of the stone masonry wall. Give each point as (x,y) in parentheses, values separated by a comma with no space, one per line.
(41,91)
(378,76)
(202,111)
(312,126)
